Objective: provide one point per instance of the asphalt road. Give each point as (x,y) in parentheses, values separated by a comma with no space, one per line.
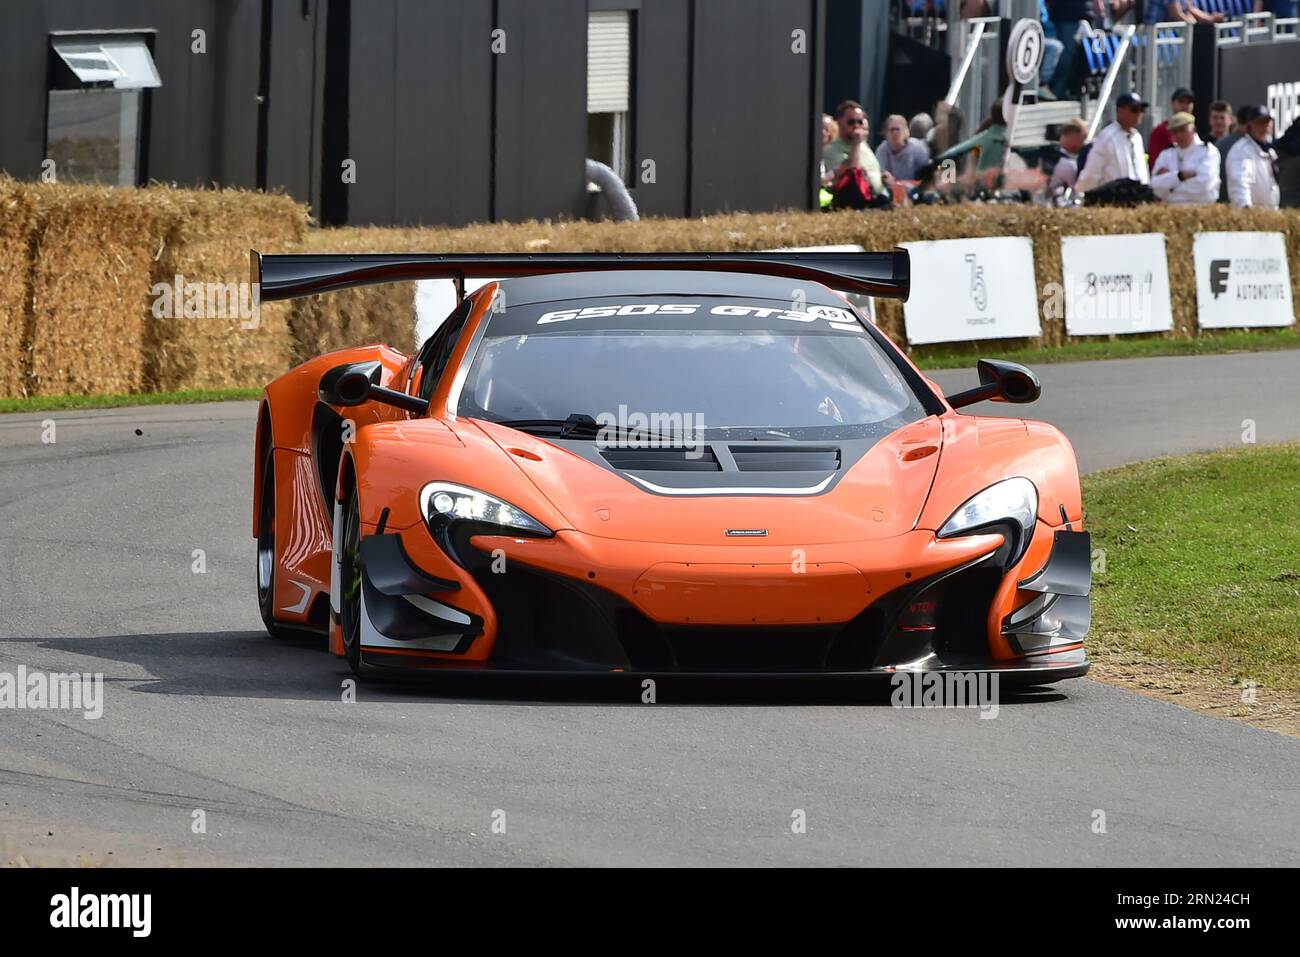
(203,711)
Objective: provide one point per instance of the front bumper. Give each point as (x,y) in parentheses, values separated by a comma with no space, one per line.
(579,604)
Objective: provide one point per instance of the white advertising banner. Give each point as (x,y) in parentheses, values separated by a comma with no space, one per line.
(967,289)
(1115,285)
(1242,279)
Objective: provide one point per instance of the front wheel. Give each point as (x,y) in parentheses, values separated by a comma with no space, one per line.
(266,557)
(350,582)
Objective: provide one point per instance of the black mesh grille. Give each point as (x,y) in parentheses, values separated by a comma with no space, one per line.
(784,458)
(699,459)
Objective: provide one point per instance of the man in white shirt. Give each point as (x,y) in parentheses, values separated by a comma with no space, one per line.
(1117,152)
(1252,164)
(1187,171)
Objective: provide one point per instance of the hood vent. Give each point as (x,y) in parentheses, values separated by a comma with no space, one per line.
(785,458)
(679,459)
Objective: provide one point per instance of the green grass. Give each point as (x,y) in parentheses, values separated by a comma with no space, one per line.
(1122,347)
(44,403)
(1202,562)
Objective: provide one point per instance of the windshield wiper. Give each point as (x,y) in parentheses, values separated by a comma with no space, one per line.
(578,423)
(581,425)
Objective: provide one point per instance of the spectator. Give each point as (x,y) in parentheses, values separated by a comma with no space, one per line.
(1252,164)
(899,155)
(829,132)
(1172,11)
(1074,133)
(989,143)
(1117,151)
(1220,121)
(1052,50)
(920,127)
(1224,146)
(1188,171)
(1288,165)
(1183,101)
(1068,18)
(856,177)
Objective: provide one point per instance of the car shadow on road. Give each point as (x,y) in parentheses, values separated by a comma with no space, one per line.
(250,664)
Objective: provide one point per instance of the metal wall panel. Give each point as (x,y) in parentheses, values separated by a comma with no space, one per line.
(419,112)
(752,132)
(541,116)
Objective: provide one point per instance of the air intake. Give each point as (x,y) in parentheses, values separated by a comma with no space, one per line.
(677,459)
(785,458)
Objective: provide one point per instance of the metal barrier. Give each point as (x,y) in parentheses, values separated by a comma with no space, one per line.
(975,46)
(1162,65)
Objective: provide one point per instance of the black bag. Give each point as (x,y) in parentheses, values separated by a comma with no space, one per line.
(1120,192)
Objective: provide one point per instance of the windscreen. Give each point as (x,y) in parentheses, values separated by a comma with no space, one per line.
(735,366)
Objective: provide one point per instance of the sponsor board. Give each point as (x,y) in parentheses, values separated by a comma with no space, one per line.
(1242,280)
(968,289)
(1115,285)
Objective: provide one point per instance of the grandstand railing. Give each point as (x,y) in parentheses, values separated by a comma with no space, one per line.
(975,47)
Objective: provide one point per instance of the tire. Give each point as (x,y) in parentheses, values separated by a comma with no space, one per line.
(350,582)
(266,556)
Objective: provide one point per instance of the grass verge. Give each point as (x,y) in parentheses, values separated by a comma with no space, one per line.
(45,403)
(1120,347)
(1200,592)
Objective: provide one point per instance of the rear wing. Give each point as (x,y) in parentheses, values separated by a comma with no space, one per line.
(290,276)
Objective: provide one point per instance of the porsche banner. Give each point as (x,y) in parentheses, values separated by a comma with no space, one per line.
(1242,279)
(968,289)
(1115,285)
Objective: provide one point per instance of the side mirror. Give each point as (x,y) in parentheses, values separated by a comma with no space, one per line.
(354,383)
(1000,381)
(349,384)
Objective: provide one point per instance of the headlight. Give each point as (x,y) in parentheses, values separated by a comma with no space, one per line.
(443,502)
(1011,502)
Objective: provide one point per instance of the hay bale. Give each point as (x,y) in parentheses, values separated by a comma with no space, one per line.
(203,267)
(90,287)
(18,237)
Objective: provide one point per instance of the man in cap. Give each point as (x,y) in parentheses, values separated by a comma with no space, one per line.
(1183,101)
(1252,164)
(1188,171)
(1117,152)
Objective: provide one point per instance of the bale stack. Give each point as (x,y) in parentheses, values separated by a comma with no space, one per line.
(205,261)
(90,287)
(18,240)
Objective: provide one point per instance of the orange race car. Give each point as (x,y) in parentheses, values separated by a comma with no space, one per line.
(661,463)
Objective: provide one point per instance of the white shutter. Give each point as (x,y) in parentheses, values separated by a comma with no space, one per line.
(608,61)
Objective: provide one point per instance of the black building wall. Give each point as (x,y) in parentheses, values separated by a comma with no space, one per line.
(439,128)
(756,105)
(418,112)
(203,118)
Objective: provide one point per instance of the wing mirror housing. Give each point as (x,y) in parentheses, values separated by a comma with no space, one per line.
(355,383)
(1000,381)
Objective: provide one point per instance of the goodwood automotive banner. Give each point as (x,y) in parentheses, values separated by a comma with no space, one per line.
(1242,279)
(1115,285)
(967,289)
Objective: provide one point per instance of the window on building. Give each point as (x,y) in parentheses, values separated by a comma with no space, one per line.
(94,117)
(609,89)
